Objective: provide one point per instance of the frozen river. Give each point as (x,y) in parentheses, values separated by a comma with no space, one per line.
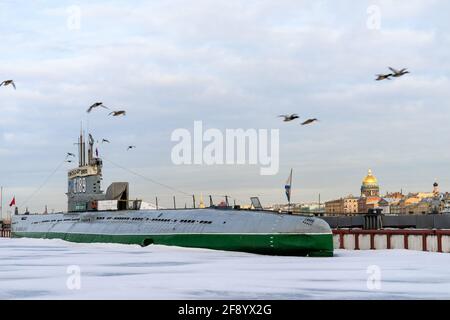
(54,269)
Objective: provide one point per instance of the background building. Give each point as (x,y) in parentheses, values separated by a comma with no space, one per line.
(432,202)
(347,205)
(369,199)
(370,193)
(369,187)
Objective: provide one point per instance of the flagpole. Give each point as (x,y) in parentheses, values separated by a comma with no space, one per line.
(289,205)
(13,203)
(319,205)
(288,188)
(1,203)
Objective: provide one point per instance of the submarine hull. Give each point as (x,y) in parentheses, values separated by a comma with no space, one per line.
(232,230)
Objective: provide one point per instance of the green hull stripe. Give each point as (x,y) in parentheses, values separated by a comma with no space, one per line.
(276,244)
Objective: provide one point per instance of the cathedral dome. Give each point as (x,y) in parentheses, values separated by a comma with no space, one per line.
(370,179)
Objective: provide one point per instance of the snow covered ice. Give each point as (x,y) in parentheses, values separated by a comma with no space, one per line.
(38,269)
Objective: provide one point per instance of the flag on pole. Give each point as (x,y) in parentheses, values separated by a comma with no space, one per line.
(13,202)
(287,187)
(1,202)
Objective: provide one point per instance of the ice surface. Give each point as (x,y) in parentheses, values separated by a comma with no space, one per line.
(37,269)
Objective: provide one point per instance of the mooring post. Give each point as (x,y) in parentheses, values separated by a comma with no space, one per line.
(174,203)
(193,201)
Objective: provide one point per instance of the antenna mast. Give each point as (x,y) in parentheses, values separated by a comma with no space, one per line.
(81,149)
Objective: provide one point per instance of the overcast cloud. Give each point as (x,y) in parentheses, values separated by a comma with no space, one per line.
(231,64)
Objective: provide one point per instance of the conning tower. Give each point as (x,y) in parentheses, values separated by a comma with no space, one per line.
(84,192)
(84,187)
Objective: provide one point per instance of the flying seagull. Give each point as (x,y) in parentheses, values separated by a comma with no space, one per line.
(130,147)
(399,73)
(118,113)
(69,161)
(105,140)
(289,117)
(309,121)
(384,77)
(96,105)
(7,83)
(69,154)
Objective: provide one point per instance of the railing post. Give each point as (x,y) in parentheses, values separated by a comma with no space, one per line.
(372,241)
(439,242)
(388,241)
(424,242)
(341,240)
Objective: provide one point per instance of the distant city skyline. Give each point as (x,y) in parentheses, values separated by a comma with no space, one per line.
(229,64)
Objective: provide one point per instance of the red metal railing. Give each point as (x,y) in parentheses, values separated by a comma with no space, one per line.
(389,233)
(5,233)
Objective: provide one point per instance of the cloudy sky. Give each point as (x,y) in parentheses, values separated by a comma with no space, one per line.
(231,64)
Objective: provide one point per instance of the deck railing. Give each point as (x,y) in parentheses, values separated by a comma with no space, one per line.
(412,239)
(5,231)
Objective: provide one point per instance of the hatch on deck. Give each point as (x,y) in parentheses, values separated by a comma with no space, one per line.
(118,191)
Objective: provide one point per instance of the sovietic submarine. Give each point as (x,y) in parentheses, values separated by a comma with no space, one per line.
(97,216)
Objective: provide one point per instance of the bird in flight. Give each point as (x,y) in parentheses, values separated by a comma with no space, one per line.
(105,140)
(70,161)
(96,105)
(309,121)
(131,147)
(288,117)
(399,73)
(91,139)
(69,154)
(7,83)
(118,113)
(384,77)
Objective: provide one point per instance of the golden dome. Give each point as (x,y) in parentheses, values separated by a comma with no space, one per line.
(370,179)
